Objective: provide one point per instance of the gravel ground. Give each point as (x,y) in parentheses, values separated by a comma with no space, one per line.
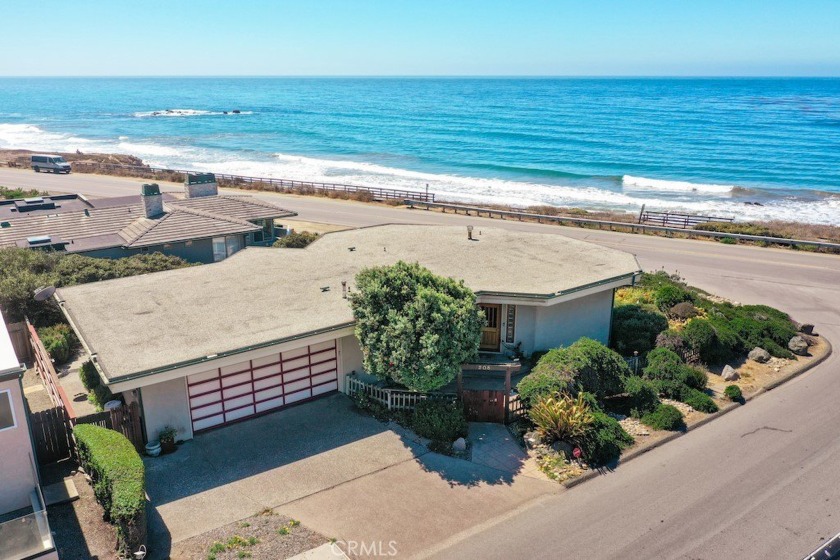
(682,407)
(267,536)
(36,393)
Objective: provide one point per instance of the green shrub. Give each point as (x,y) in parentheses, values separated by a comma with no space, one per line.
(698,400)
(667,296)
(59,341)
(561,417)
(744,228)
(89,376)
(670,389)
(439,420)
(665,417)
(118,476)
(728,240)
(594,368)
(733,393)
(99,396)
(672,340)
(296,240)
(683,311)
(544,382)
(634,329)
(714,343)
(7,193)
(695,378)
(642,394)
(604,440)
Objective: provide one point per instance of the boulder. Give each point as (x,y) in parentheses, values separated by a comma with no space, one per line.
(759,355)
(459,445)
(806,328)
(730,374)
(532,439)
(564,449)
(798,345)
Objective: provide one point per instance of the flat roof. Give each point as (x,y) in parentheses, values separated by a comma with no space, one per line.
(263,295)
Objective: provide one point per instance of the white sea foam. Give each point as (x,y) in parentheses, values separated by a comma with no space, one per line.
(446,186)
(630,182)
(186,113)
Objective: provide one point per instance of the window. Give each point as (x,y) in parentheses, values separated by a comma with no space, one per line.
(7,413)
(234,243)
(219,250)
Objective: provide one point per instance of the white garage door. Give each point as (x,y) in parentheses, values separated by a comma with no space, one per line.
(249,388)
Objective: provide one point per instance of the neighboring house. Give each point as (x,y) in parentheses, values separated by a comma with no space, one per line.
(24,529)
(203,346)
(202,227)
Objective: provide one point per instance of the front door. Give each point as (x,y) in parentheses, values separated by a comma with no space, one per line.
(491,333)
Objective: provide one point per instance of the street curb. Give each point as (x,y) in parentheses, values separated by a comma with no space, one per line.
(590,474)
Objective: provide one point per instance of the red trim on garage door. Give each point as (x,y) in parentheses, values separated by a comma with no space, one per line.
(247,389)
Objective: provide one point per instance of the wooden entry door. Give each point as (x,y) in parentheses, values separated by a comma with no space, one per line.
(484,405)
(491,333)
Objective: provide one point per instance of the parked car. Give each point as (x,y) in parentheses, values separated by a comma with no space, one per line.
(49,162)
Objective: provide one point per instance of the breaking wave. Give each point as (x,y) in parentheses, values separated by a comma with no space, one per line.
(188,113)
(630,182)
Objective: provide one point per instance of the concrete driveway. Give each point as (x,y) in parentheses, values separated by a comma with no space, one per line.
(234,472)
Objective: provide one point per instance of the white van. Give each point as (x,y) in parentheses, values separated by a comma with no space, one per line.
(49,162)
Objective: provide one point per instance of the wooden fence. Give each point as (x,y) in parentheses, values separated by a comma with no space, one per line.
(125,420)
(393,399)
(51,435)
(46,371)
(20,341)
(515,408)
(267,183)
(678,220)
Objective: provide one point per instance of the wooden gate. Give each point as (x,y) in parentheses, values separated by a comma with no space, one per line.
(484,405)
(124,419)
(51,435)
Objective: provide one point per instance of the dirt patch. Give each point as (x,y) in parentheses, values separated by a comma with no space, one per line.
(80,530)
(265,535)
(36,394)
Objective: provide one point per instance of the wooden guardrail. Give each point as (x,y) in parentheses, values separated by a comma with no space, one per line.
(380,193)
(631,226)
(678,220)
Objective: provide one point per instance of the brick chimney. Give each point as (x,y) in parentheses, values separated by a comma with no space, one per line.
(152,200)
(200,184)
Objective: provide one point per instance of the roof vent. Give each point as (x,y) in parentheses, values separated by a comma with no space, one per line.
(5,224)
(34,200)
(38,239)
(325,288)
(351,249)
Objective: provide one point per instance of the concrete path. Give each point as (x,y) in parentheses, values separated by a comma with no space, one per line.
(493,446)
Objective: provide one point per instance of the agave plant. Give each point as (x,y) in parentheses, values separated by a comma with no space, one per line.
(561,417)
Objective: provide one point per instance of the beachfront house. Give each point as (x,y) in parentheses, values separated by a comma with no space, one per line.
(24,528)
(202,226)
(205,346)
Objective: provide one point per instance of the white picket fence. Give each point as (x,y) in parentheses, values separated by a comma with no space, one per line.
(393,399)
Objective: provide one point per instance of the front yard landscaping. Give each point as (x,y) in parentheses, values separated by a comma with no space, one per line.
(686,355)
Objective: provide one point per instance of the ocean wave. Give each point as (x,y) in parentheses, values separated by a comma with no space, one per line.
(188,113)
(628,181)
(811,208)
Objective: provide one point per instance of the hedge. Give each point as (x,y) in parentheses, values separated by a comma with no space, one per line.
(634,329)
(665,417)
(118,476)
(59,342)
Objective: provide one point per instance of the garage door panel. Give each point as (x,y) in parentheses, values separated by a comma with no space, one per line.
(325,388)
(298,396)
(239,413)
(267,371)
(251,387)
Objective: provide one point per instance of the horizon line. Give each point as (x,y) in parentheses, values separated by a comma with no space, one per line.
(446,76)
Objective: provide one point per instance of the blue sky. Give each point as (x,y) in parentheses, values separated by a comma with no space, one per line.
(421,37)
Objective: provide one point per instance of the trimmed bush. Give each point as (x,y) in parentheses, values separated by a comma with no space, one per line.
(698,400)
(118,477)
(733,393)
(439,420)
(634,329)
(99,396)
(59,341)
(89,376)
(604,440)
(702,336)
(670,389)
(561,417)
(663,364)
(642,395)
(683,311)
(296,240)
(667,296)
(695,378)
(544,382)
(665,417)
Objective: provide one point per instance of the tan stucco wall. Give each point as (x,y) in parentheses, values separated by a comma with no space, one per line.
(165,404)
(16,455)
(350,360)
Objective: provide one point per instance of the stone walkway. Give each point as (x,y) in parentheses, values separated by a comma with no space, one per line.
(493,446)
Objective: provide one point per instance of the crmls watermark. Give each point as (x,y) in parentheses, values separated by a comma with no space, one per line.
(368,549)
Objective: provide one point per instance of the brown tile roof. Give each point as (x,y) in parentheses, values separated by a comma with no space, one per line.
(182,224)
(70,225)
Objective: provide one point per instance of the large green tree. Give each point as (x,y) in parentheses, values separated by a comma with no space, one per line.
(414,327)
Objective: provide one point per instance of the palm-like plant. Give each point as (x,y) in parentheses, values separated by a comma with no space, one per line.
(561,417)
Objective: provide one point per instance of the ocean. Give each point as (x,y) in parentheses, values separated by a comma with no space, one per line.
(752,149)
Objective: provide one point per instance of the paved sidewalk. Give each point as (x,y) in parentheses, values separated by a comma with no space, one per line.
(493,446)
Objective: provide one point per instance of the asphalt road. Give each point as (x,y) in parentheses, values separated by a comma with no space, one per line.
(760,482)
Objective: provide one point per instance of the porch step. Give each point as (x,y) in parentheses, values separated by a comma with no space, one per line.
(60,492)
